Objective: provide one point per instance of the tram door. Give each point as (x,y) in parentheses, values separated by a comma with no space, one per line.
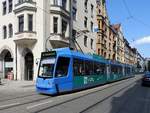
(29,66)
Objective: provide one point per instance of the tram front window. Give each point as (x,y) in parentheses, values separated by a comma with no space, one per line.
(46,68)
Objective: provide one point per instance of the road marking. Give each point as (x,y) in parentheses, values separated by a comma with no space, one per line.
(9,105)
(33,106)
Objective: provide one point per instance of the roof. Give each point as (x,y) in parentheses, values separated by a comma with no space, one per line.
(116,27)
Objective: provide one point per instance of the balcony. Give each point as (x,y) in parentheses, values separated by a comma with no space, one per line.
(60,10)
(58,41)
(25,5)
(25,38)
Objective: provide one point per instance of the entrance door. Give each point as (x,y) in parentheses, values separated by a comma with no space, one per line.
(8,64)
(29,66)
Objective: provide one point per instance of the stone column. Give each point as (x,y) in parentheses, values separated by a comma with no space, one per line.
(25,22)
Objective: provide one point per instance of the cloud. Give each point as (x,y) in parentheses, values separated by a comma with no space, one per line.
(141,41)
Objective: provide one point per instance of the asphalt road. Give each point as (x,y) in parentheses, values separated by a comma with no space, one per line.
(127,96)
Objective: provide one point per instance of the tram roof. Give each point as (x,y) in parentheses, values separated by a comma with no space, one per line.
(77,54)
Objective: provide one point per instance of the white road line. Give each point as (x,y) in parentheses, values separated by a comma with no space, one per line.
(33,106)
(9,105)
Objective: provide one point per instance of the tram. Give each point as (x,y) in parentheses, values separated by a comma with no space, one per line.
(64,70)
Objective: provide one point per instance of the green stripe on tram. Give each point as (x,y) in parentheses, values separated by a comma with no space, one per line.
(80,81)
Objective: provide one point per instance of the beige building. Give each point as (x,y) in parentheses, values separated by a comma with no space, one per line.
(103,42)
(106,36)
(120,43)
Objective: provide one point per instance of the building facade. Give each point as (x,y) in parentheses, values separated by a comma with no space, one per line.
(140,63)
(84,19)
(120,43)
(103,45)
(29,27)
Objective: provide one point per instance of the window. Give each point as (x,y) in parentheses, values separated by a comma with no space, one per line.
(20,1)
(55,22)
(85,67)
(10,6)
(89,67)
(55,2)
(85,22)
(4,8)
(116,69)
(62,67)
(85,41)
(74,13)
(46,67)
(78,67)
(99,68)
(64,2)
(91,43)
(99,51)
(30,22)
(21,23)
(92,27)
(74,32)
(10,30)
(92,10)
(85,4)
(4,32)
(64,28)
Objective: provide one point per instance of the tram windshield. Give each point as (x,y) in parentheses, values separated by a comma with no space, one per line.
(46,67)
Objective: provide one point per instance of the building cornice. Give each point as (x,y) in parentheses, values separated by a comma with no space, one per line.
(27,8)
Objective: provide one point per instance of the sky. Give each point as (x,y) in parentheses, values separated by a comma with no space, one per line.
(134,16)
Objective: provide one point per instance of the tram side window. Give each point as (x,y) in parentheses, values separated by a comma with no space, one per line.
(114,69)
(89,68)
(99,69)
(120,70)
(62,67)
(78,67)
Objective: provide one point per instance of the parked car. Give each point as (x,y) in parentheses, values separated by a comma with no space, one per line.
(146,79)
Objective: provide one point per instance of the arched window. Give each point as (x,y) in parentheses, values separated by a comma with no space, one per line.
(4,32)
(10,30)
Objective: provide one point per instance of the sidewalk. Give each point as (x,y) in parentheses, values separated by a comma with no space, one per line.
(16,85)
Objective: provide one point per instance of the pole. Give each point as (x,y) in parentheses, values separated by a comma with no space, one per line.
(0,82)
(16,60)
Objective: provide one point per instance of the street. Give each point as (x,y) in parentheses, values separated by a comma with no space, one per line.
(127,96)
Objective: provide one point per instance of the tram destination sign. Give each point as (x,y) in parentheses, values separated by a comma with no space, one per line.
(48,54)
